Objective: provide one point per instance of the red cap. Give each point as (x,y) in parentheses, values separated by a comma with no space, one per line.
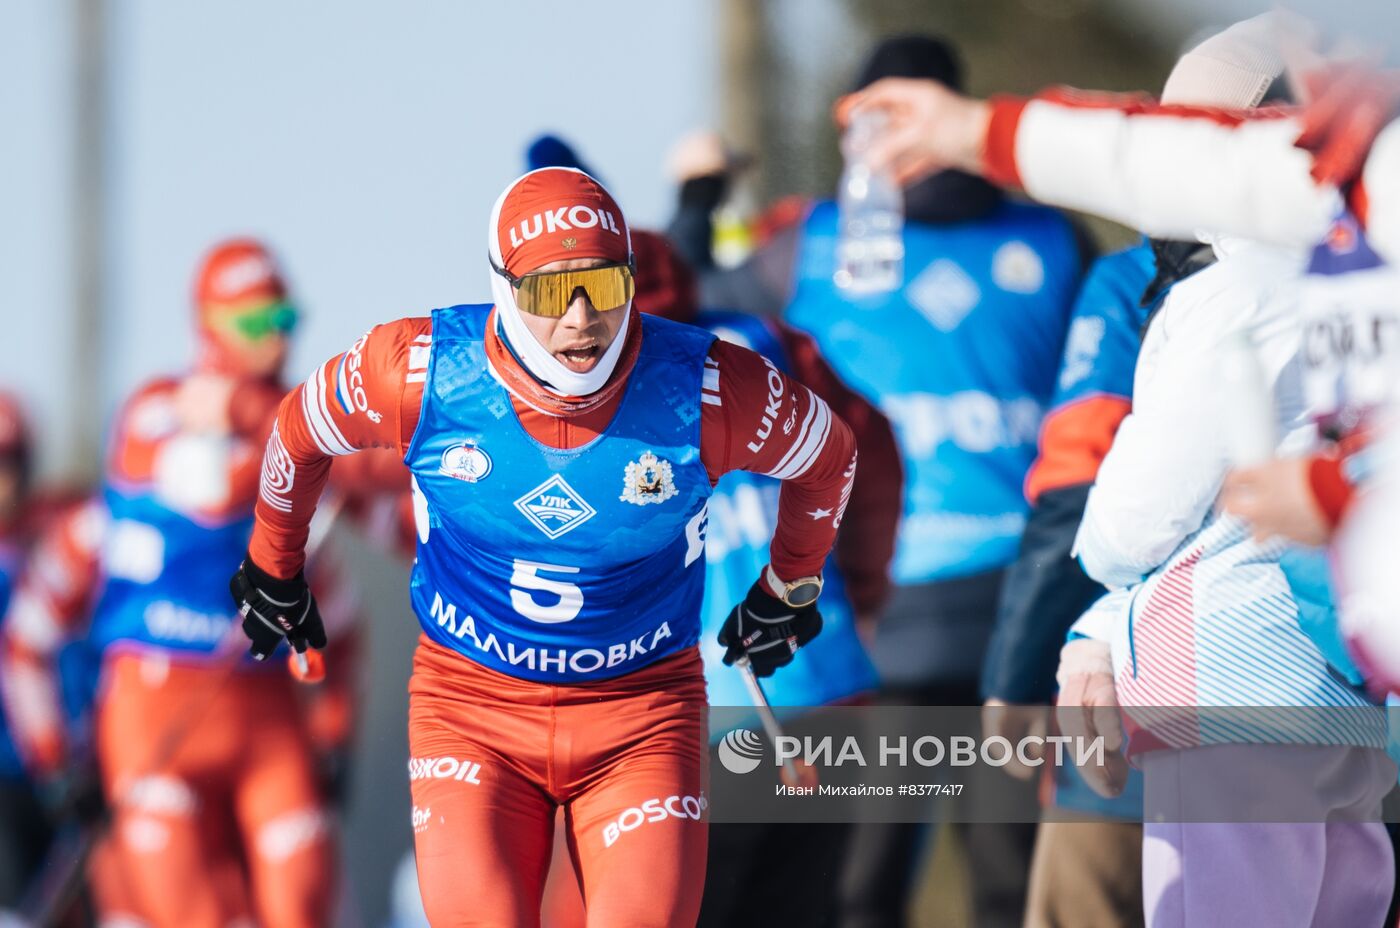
(238,271)
(666,285)
(552,214)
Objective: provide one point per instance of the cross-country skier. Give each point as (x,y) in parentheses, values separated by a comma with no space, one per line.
(24,513)
(562,448)
(210,764)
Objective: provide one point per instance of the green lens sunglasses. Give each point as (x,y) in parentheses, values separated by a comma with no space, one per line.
(279,318)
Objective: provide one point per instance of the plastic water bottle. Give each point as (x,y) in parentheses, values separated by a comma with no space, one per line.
(870,244)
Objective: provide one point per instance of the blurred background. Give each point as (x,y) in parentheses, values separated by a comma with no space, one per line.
(366,142)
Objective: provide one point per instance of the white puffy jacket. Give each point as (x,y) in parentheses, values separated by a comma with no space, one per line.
(1205,616)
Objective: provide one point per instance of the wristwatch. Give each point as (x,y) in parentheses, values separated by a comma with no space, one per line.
(800,593)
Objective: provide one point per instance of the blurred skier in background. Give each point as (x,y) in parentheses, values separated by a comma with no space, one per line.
(25,829)
(218,770)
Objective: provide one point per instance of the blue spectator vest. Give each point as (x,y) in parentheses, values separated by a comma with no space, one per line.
(962,360)
(743,514)
(559,565)
(1105,331)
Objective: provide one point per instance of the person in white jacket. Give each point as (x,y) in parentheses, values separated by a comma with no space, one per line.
(1203,617)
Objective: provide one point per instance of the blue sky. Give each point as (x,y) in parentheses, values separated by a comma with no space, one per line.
(366,144)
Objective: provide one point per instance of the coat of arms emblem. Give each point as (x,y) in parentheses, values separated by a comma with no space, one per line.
(648,480)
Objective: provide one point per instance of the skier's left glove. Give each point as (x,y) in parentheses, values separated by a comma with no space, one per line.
(274,609)
(767,630)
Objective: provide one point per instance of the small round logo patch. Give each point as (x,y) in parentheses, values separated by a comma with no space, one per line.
(1017,268)
(465,462)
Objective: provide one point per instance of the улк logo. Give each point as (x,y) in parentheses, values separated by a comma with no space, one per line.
(647,480)
(555,508)
(741,751)
(466,462)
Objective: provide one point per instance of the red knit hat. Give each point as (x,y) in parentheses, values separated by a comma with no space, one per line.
(552,214)
(238,272)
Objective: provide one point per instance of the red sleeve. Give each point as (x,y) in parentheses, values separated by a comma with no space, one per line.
(52,602)
(756,419)
(865,544)
(368,397)
(1330,487)
(60,579)
(1074,440)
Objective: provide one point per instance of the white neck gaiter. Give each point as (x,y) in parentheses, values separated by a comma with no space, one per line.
(542,365)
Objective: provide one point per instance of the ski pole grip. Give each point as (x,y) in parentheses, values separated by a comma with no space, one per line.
(307,666)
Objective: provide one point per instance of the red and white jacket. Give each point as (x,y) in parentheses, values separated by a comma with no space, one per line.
(1180,171)
(1171,171)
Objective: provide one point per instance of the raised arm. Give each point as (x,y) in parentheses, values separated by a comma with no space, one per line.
(1169,171)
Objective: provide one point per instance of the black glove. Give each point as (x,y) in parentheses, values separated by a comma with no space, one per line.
(274,609)
(767,630)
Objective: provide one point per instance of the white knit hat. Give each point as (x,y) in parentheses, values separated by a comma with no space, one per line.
(1231,69)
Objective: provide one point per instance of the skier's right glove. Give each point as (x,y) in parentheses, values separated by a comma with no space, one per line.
(767,630)
(274,609)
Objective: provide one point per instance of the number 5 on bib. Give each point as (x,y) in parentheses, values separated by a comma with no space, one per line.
(526,577)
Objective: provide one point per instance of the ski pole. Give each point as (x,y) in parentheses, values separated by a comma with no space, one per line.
(793,774)
(309,666)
